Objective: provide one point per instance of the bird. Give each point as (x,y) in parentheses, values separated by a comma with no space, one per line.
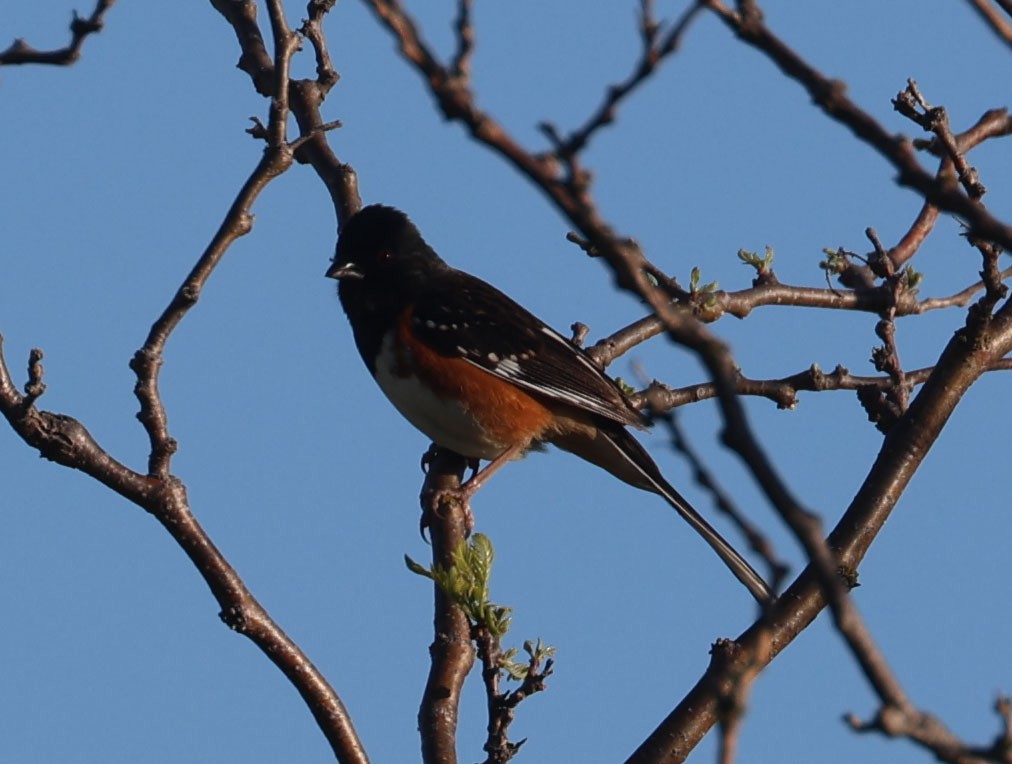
(482,376)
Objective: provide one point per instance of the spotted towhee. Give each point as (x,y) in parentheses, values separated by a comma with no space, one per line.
(480,375)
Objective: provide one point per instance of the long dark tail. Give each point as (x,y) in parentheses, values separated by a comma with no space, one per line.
(617,451)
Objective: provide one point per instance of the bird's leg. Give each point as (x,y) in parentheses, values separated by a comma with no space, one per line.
(462,494)
(480,477)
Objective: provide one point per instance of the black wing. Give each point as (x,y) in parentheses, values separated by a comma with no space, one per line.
(467,318)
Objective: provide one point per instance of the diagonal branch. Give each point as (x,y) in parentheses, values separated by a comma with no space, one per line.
(65,440)
(991,15)
(20,52)
(758,541)
(830,96)
(656,48)
(960,364)
(238,221)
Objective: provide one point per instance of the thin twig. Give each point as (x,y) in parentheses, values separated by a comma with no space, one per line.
(743,302)
(461,65)
(305,96)
(758,542)
(935,119)
(20,52)
(784,391)
(312,30)
(655,49)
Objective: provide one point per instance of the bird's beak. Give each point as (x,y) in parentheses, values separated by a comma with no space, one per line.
(343,271)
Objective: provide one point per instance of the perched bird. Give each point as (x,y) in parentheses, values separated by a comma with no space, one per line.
(482,376)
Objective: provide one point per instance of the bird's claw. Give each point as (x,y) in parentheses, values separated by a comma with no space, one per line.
(434,504)
(427,457)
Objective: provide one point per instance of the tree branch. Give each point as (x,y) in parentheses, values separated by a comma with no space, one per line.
(305,96)
(758,542)
(713,305)
(829,95)
(655,48)
(20,52)
(65,440)
(961,363)
(999,24)
(784,391)
(451,652)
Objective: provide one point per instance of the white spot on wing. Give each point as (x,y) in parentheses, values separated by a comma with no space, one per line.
(508,367)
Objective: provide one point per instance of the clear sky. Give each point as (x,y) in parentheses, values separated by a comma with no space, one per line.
(117,172)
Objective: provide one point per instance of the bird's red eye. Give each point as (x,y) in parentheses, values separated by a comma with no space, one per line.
(384,257)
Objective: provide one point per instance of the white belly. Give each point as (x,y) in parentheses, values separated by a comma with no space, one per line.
(445,421)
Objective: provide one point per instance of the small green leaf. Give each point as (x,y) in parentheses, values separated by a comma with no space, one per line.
(913,278)
(748,258)
(835,262)
(417,569)
(626,387)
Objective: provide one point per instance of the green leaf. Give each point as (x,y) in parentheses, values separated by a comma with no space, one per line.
(417,569)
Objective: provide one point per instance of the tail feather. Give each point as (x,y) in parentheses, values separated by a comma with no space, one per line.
(617,451)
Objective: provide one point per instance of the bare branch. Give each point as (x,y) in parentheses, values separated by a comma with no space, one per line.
(461,64)
(147,361)
(830,96)
(451,652)
(305,97)
(961,363)
(654,51)
(935,119)
(923,225)
(502,705)
(20,52)
(66,441)
(740,674)
(999,24)
(784,391)
(743,302)
(312,30)
(928,732)
(758,542)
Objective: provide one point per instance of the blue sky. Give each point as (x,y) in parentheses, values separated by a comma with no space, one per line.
(120,168)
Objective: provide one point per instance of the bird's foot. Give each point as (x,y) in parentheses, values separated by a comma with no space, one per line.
(437,505)
(430,454)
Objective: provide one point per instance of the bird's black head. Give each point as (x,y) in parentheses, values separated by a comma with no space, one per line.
(381,264)
(380,249)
